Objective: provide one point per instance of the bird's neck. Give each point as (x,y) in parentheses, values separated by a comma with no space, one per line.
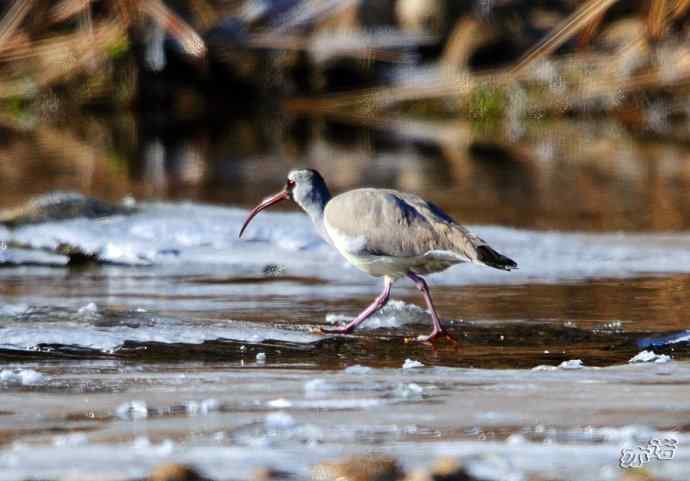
(314,205)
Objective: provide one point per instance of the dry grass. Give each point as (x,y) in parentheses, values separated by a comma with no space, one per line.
(75,41)
(74,38)
(584,80)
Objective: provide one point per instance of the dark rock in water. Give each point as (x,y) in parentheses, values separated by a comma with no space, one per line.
(76,255)
(57,206)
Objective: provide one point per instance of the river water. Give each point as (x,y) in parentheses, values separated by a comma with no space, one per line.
(182,342)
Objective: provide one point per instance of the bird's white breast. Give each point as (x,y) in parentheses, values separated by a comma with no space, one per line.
(353,249)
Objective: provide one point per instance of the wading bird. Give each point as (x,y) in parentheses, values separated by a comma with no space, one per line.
(388,234)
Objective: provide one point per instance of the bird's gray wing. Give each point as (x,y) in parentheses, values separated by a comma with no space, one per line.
(391,223)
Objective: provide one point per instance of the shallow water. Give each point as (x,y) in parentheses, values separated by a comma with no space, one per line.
(181,342)
(113,368)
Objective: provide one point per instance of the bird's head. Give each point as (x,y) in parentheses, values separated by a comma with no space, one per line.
(306,187)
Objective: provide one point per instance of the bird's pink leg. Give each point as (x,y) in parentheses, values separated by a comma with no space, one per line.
(438,329)
(378,303)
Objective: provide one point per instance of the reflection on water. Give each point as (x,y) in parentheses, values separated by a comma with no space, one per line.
(546,174)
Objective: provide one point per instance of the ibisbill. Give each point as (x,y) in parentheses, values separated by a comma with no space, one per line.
(386,233)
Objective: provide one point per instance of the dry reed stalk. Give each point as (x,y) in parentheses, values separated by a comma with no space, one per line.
(81,54)
(590,30)
(680,7)
(66,9)
(656,19)
(190,40)
(14,16)
(563,32)
(53,63)
(61,45)
(466,35)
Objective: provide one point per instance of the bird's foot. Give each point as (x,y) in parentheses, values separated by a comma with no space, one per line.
(437,334)
(335,330)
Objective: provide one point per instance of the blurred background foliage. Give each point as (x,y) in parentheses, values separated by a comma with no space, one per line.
(503,105)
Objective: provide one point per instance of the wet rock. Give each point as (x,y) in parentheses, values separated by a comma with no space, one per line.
(444,469)
(359,468)
(449,469)
(268,474)
(57,206)
(75,254)
(174,472)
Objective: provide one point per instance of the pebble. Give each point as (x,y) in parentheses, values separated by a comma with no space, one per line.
(443,469)
(359,468)
(267,474)
(174,472)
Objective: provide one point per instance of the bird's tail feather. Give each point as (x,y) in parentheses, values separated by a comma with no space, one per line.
(486,255)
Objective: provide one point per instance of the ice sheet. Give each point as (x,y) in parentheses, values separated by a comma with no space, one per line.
(183,234)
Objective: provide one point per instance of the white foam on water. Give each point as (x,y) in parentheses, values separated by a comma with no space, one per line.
(409,391)
(12,256)
(202,407)
(22,377)
(327,404)
(132,410)
(88,309)
(394,314)
(318,386)
(279,420)
(357,369)
(144,446)
(14,309)
(411,364)
(570,365)
(650,356)
(279,403)
(626,434)
(337,404)
(71,439)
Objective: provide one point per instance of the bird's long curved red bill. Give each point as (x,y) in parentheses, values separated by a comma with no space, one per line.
(274,199)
